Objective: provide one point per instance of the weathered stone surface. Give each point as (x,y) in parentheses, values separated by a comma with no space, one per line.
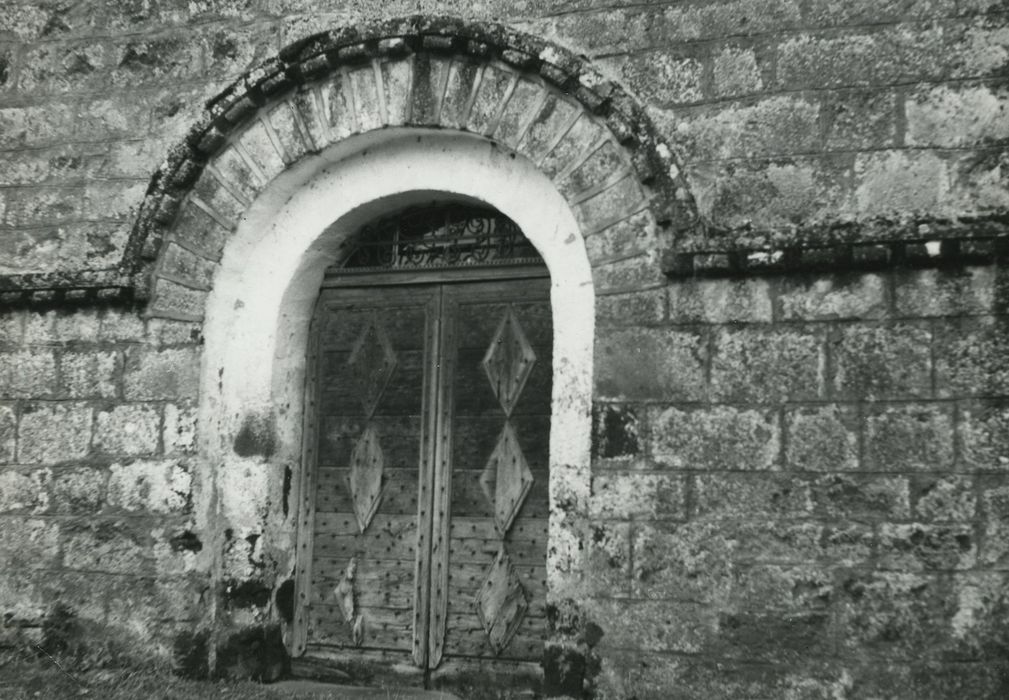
(765,365)
(778,541)
(956,117)
(52,433)
(179,435)
(719,301)
(636,307)
(856,497)
(983,436)
(970,356)
(950,498)
(969,290)
(513,119)
(795,122)
(29,543)
(61,326)
(610,558)
(920,547)
(736,72)
(729,495)
(896,54)
(27,374)
(616,202)
(8,433)
(175,301)
(774,637)
(784,588)
(773,126)
(199,231)
(162,374)
(661,76)
(860,119)
(128,429)
(691,561)
(643,363)
(79,491)
(834,297)
(995,537)
(23,492)
(89,374)
(883,361)
(107,546)
(822,438)
(604,163)
(164,332)
(721,437)
(773,193)
(909,438)
(896,615)
(652,625)
(895,181)
(625,496)
(150,486)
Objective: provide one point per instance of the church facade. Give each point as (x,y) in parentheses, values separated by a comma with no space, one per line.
(590,350)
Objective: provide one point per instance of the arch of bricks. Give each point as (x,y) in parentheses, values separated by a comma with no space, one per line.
(584,132)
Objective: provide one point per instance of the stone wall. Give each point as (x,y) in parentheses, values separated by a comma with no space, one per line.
(787,114)
(800,485)
(97,428)
(798,481)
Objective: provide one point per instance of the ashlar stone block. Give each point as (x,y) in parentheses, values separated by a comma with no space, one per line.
(128,429)
(159,486)
(716,438)
(53,433)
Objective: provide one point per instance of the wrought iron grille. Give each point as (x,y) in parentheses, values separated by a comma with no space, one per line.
(438,236)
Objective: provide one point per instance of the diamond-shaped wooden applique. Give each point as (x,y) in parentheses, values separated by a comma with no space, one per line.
(501,602)
(366,465)
(371,363)
(508,361)
(506,479)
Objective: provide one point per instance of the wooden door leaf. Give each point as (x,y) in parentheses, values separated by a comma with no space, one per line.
(371,364)
(366,467)
(501,603)
(506,479)
(508,361)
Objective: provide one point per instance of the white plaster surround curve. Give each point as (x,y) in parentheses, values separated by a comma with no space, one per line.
(258,313)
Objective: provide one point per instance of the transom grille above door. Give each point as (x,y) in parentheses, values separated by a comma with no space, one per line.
(437,236)
(423,531)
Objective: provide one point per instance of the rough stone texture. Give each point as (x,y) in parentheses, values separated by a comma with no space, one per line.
(128,429)
(717,438)
(50,433)
(644,363)
(799,487)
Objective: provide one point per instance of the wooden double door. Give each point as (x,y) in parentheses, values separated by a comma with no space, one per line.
(422,543)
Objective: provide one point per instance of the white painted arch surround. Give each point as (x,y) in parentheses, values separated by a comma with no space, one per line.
(257,317)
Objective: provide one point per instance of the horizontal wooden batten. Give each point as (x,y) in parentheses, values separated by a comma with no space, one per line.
(447,275)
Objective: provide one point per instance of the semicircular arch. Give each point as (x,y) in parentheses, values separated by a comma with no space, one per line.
(538,100)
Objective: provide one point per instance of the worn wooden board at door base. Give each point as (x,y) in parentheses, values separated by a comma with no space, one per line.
(423,532)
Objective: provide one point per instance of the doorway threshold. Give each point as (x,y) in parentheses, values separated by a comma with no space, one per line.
(321,690)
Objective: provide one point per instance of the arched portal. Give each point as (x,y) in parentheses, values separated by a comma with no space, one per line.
(245,215)
(258,313)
